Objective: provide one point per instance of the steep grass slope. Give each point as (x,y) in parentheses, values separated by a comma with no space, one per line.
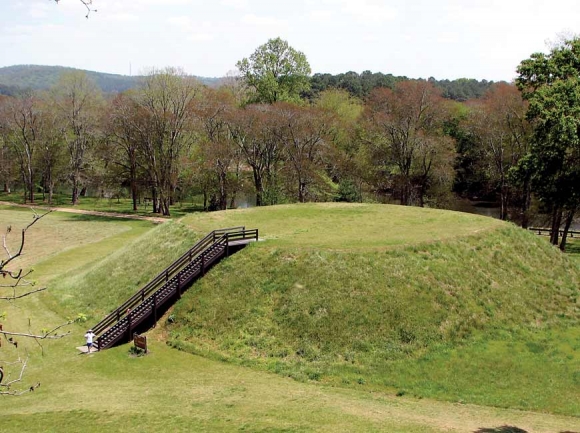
(365,295)
(102,286)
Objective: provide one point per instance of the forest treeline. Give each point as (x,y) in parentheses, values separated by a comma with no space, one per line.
(22,78)
(271,132)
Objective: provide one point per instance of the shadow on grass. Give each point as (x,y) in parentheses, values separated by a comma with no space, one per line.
(502,429)
(100,218)
(573,247)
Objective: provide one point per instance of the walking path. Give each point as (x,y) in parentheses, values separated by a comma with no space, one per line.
(89,212)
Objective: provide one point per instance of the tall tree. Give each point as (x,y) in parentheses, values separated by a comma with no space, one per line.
(218,151)
(167,99)
(276,72)
(79,101)
(551,84)
(498,123)
(406,140)
(124,133)
(303,133)
(253,129)
(22,129)
(51,154)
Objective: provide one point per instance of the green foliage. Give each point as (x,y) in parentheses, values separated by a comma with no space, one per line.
(360,85)
(551,84)
(276,71)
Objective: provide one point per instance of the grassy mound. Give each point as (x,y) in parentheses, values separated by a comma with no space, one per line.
(100,287)
(432,303)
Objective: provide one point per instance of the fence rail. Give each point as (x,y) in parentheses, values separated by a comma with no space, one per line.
(548,232)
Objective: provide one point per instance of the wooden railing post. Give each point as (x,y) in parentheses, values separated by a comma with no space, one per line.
(203,263)
(155,308)
(227,244)
(129,320)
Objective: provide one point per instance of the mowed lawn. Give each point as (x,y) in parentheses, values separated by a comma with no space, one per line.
(175,391)
(345,226)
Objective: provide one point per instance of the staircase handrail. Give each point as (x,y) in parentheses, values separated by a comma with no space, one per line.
(164,276)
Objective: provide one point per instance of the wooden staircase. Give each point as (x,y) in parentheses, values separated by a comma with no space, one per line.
(140,312)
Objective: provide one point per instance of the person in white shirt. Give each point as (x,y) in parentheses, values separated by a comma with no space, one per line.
(89,337)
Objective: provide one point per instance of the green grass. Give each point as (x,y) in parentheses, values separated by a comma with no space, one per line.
(176,391)
(58,233)
(115,205)
(100,286)
(317,301)
(345,226)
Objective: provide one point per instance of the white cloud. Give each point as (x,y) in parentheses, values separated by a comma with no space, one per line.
(194,32)
(368,11)
(256,20)
(182,23)
(38,10)
(26,30)
(322,16)
(238,4)
(123,17)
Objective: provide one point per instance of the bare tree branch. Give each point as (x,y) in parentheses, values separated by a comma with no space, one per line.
(88,4)
(3,263)
(8,384)
(22,295)
(48,335)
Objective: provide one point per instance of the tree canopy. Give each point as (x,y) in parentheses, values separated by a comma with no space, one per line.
(551,84)
(276,71)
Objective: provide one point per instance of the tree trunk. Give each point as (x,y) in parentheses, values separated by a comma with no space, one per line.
(526,205)
(223,200)
(134,192)
(556,222)
(504,199)
(31,192)
(154,203)
(259,188)
(75,193)
(83,191)
(568,223)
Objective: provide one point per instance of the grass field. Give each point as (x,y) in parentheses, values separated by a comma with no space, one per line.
(115,205)
(177,391)
(432,304)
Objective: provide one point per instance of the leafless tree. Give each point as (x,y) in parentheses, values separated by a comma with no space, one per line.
(16,286)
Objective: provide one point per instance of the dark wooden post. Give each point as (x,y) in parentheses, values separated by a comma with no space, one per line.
(227,244)
(203,263)
(155,308)
(129,325)
(179,285)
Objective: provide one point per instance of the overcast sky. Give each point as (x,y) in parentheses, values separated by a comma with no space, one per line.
(417,38)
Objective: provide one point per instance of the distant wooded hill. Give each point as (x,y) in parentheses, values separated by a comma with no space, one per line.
(14,79)
(360,85)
